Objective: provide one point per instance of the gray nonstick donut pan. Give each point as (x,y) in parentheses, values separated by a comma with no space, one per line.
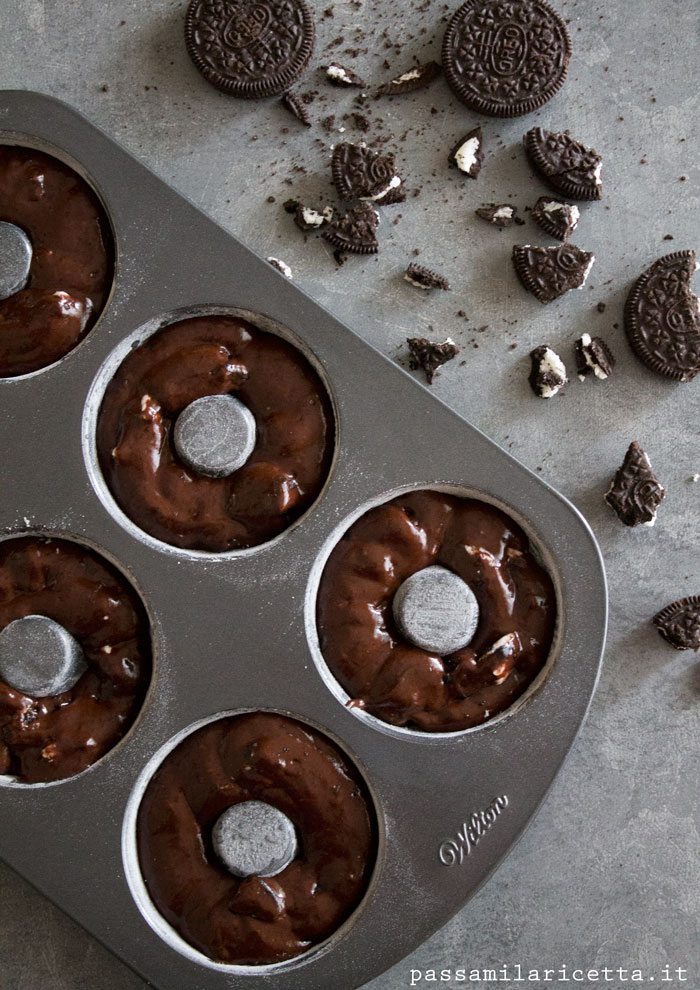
(237,632)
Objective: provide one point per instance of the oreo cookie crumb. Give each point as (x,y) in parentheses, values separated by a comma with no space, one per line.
(635,493)
(548,373)
(601,307)
(290,205)
(280,266)
(430,355)
(416,78)
(679,623)
(500,215)
(467,155)
(425,278)
(593,357)
(290,101)
(307,218)
(338,75)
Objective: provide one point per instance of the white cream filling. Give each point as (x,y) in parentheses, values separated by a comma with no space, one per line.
(338,73)
(394,184)
(597,173)
(312,218)
(465,155)
(406,77)
(573,212)
(280,266)
(503,213)
(551,363)
(587,272)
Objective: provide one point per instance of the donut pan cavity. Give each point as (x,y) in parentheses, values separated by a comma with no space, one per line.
(235,632)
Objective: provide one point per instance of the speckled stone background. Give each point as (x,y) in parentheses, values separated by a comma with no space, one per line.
(609,874)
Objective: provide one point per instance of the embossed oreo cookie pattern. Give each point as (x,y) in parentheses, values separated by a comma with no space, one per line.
(236,632)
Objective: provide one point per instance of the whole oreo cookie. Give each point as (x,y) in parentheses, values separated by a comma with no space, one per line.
(662,320)
(505,59)
(250,48)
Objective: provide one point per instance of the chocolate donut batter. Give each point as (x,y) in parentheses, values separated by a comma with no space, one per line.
(45,739)
(72,260)
(286,764)
(400,683)
(215,355)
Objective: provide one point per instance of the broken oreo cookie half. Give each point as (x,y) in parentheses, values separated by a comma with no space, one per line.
(425,278)
(679,623)
(417,78)
(557,219)
(548,374)
(662,318)
(307,218)
(500,215)
(549,272)
(296,106)
(430,355)
(355,231)
(593,357)
(635,493)
(467,155)
(565,164)
(360,173)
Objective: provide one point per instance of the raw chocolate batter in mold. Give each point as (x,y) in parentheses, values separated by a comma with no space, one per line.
(380,667)
(171,499)
(58,735)
(71,259)
(261,757)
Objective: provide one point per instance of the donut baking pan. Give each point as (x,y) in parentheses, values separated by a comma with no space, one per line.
(235,630)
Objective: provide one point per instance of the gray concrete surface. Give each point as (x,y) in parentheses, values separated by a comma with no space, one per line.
(609,874)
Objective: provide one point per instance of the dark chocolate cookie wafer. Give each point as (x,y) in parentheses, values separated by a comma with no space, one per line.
(549,272)
(662,320)
(467,155)
(354,232)
(360,173)
(593,357)
(430,355)
(417,78)
(505,59)
(635,493)
(250,48)
(565,164)
(501,215)
(679,623)
(297,108)
(548,372)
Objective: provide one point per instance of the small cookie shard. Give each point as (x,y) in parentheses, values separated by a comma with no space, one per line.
(430,355)
(593,357)
(555,218)
(307,218)
(290,101)
(360,173)
(280,266)
(565,164)
(662,318)
(416,78)
(679,623)
(548,374)
(355,231)
(425,278)
(338,75)
(549,272)
(635,493)
(500,215)
(467,155)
